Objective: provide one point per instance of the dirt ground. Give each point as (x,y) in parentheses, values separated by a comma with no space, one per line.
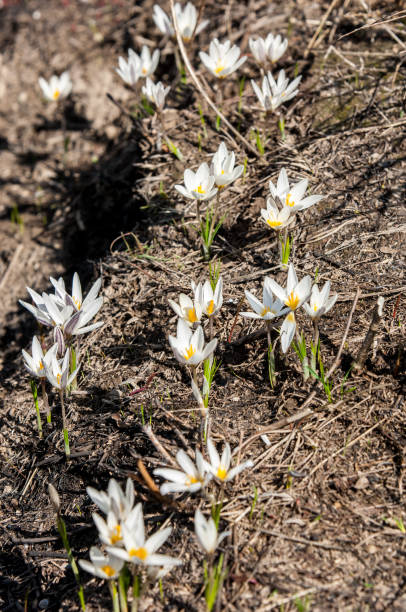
(318,523)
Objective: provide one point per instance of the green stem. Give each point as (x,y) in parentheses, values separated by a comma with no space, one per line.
(136,593)
(122,592)
(73,362)
(64,537)
(45,401)
(64,426)
(114,596)
(34,392)
(316,336)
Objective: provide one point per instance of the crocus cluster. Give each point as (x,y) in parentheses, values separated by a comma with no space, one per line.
(122,533)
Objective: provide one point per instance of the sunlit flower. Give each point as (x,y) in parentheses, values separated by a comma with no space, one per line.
(188,347)
(156,93)
(109,530)
(222,167)
(57,87)
(287,331)
(40,310)
(222,59)
(190,479)
(274,217)
(282,186)
(76,298)
(220,467)
(270,49)
(76,324)
(295,293)
(58,372)
(206,533)
(101,566)
(115,500)
(186,19)
(211,300)
(320,302)
(199,185)
(129,70)
(137,549)
(274,93)
(147,63)
(35,364)
(189,310)
(266,310)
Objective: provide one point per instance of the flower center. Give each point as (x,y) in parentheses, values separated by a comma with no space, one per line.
(315,308)
(41,365)
(292,301)
(108,570)
(219,68)
(200,190)
(221,472)
(189,352)
(265,311)
(274,223)
(191,480)
(78,303)
(56,94)
(116,537)
(58,378)
(210,308)
(191,315)
(289,201)
(141,553)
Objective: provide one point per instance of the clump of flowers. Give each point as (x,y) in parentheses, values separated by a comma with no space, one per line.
(269,50)
(274,93)
(186,18)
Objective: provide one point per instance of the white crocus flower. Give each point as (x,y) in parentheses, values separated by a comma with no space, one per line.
(57,87)
(115,500)
(129,70)
(189,310)
(282,186)
(222,167)
(266,310)
(40,310)
(191,479)
(287,331)
(320,302)
(147,63)
(274,217)
(274,93)
(188,347)
(206,533)
(101,566)
(35,363)
(199,185)
(139,550)
(291,196)
(57,372)
(270,49)
(156,93)
(76,298)
(211,300)
(220,467)
(295,293)
(222,59)
(109,530)
(186,18)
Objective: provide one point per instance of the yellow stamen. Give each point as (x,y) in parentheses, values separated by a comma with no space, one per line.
(78,303)
(117,536)
(221,472)
(289,201)
(291,317)
(144,71)
(141,553)
(200,190)
(41,365)
(108,570)
(210,308)
(220,68)
(292,301)
(56,94)
(191,315)
(265,311)
(189,352)
(191,480)
(315,307)
(58,378)
(222,172)
(274,223)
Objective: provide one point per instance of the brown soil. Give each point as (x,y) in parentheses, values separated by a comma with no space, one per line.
(324,532)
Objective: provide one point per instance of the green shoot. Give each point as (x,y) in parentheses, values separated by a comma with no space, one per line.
(16,218)
(214,273)
(327,385)
(342,390)
(254,502)
(281,126)
(271,365)
(210,368)
(60,523)
(209,229)
(218,121)
(303,605)
(245,169)
(213,582)
(285,248)
(314,350)
(34,392)
(296,72)
(174,149)
(258,140)
(316,274)
(301,351)
(216,512)
(162,192)
(202,120)
(149,109)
